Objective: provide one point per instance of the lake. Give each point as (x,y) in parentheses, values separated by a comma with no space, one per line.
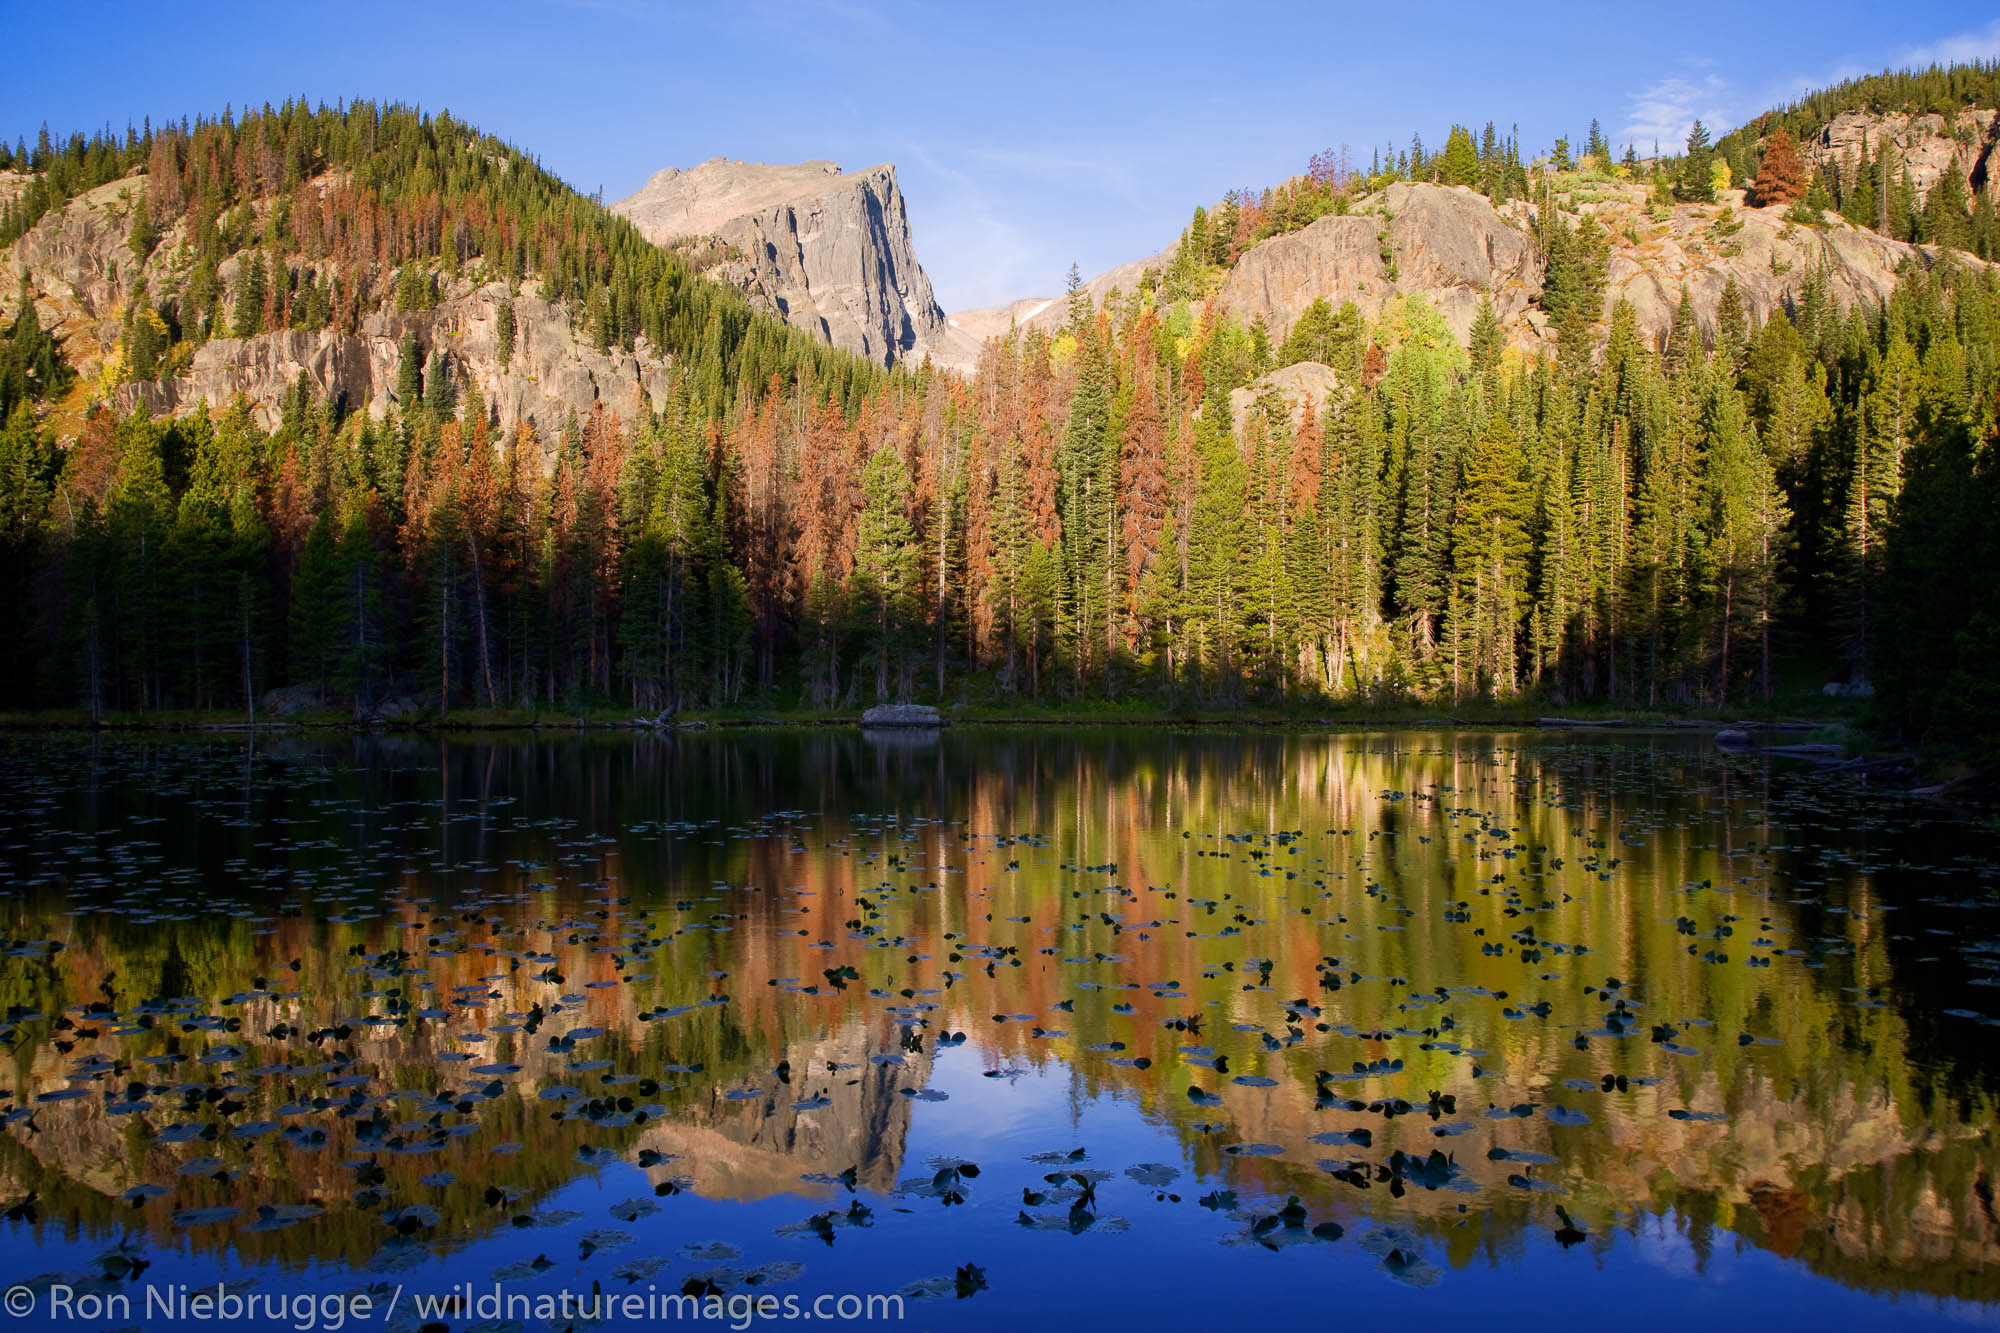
(1078,1028)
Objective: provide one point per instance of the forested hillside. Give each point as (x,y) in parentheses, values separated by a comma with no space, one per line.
(300,219)
(1687,520)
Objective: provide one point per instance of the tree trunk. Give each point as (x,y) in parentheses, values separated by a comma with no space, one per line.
(479,609)
(444,646)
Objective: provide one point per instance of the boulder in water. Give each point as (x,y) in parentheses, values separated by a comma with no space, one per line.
(902,716)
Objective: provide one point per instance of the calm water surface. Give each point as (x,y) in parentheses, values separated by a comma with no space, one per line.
(1071,1029)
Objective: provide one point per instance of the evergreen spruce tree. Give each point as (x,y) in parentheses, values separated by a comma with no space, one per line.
(1597,148)
(1945,216)
(1697,178)
(251,290)
(440,394)
(1490,547)
(1216,573)
(409,374)
(1459,163)
(1086,486)
(1488,339)
(144,236)
(318,610)
(885,570)
(504,333)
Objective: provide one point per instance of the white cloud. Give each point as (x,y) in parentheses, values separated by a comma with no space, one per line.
(1958,49)
(1665,112)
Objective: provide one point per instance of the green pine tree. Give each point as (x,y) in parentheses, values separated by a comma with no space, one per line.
(1459,163)
(1697,177)
(886,594)
(1490,547)
(318,624)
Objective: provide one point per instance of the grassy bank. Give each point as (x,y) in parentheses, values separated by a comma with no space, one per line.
(1813,710)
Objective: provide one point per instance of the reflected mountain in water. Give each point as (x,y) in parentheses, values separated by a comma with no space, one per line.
(402,994)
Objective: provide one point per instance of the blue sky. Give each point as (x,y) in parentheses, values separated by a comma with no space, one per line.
(1026,136)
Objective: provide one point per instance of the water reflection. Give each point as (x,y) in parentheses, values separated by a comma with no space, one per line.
(369,1003)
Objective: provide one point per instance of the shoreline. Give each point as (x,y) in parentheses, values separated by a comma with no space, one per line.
(605,721)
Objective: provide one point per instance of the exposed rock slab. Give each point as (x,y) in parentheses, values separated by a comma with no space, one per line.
(1769,257)
(1303,386)
(1927,145)
(1447,243)
(995,321)
(1047,313)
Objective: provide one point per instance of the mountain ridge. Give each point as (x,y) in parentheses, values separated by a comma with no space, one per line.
(319,276)
(1434,241)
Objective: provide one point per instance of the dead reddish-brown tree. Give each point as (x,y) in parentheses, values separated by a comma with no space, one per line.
(1782,177)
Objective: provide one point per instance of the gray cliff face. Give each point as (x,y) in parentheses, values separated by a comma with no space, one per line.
(548,377)
(830,252)
(84,278)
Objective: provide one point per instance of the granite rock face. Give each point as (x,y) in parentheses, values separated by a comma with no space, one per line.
(1966,141)
(1446,243)
(829,251)
(549,376)
(1454,249)
(1303,386)
(1770,258)
(79,266)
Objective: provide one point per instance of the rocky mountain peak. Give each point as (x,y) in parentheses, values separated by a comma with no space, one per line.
(697,201)
(828,250)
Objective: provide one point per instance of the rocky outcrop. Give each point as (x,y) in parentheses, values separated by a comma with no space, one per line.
(829,251)
(84,276)
(1451,247)
(549,376)
(1446,244)
(1303,386)
(1966,141)
(1768,256)
(80,268)
(1442,242)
